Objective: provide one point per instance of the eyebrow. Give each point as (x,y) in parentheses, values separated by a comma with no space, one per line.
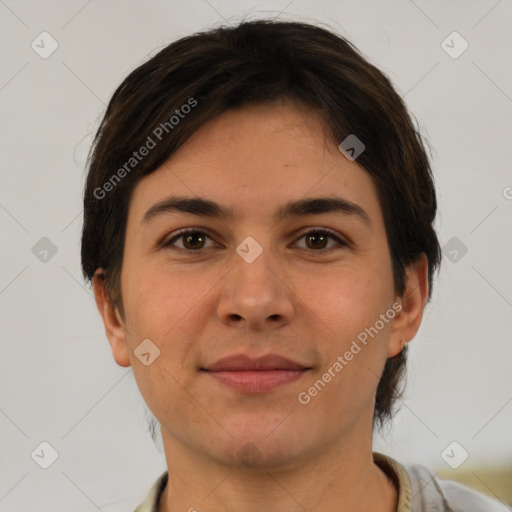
(295,208)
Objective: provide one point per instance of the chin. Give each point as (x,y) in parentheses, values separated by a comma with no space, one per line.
(262,447)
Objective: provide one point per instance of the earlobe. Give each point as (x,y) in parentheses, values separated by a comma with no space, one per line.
(114,325)
(407,322)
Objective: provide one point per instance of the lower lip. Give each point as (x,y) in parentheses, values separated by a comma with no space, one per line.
(259,381)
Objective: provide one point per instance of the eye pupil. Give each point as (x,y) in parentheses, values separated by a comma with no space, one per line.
(192,236)
(319,236)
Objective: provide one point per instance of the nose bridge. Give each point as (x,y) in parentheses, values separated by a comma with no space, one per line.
(255,270)
(254,290)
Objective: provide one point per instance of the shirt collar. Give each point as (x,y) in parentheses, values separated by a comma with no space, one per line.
(395,471)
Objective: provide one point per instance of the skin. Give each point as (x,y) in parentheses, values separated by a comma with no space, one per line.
(306,302)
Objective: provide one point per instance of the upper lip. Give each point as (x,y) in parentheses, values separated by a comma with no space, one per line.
(242,362)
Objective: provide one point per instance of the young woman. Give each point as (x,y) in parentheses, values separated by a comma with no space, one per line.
(258,229)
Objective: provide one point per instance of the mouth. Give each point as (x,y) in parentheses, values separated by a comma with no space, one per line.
(261,375)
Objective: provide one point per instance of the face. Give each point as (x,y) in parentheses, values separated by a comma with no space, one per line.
(297,290)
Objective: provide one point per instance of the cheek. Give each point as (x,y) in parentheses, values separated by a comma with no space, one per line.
(347,301)
(351,307)
(163,305)
(172,308)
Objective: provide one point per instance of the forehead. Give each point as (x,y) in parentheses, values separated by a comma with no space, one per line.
(254,160)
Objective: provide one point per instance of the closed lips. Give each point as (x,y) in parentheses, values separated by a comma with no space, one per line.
(242,362)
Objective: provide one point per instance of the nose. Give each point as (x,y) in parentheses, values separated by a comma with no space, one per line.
(256,294)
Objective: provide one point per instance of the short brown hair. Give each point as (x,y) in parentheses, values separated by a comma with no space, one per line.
(260,62)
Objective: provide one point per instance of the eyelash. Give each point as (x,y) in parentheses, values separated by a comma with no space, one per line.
(316,231)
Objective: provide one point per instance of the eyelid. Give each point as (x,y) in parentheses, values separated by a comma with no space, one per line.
(320,229)
(167,240)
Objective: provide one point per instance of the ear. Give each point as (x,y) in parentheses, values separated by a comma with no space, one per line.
(114,325)
(408,320)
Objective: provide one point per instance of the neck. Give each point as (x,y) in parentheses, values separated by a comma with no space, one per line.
(340,478)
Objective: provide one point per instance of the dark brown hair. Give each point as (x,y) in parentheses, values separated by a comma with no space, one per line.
(260,62)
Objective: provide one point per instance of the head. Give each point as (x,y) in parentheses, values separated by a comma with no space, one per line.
(251,117)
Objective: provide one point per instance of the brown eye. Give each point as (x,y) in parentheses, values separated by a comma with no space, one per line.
(319,239)
(192,240)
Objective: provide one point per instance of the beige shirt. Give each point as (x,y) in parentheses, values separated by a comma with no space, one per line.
(418,491)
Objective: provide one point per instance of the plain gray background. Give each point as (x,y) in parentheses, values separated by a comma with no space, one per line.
(59,382)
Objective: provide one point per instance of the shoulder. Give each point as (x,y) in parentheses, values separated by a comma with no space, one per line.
(463,498)
(142,503)
(434,494)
